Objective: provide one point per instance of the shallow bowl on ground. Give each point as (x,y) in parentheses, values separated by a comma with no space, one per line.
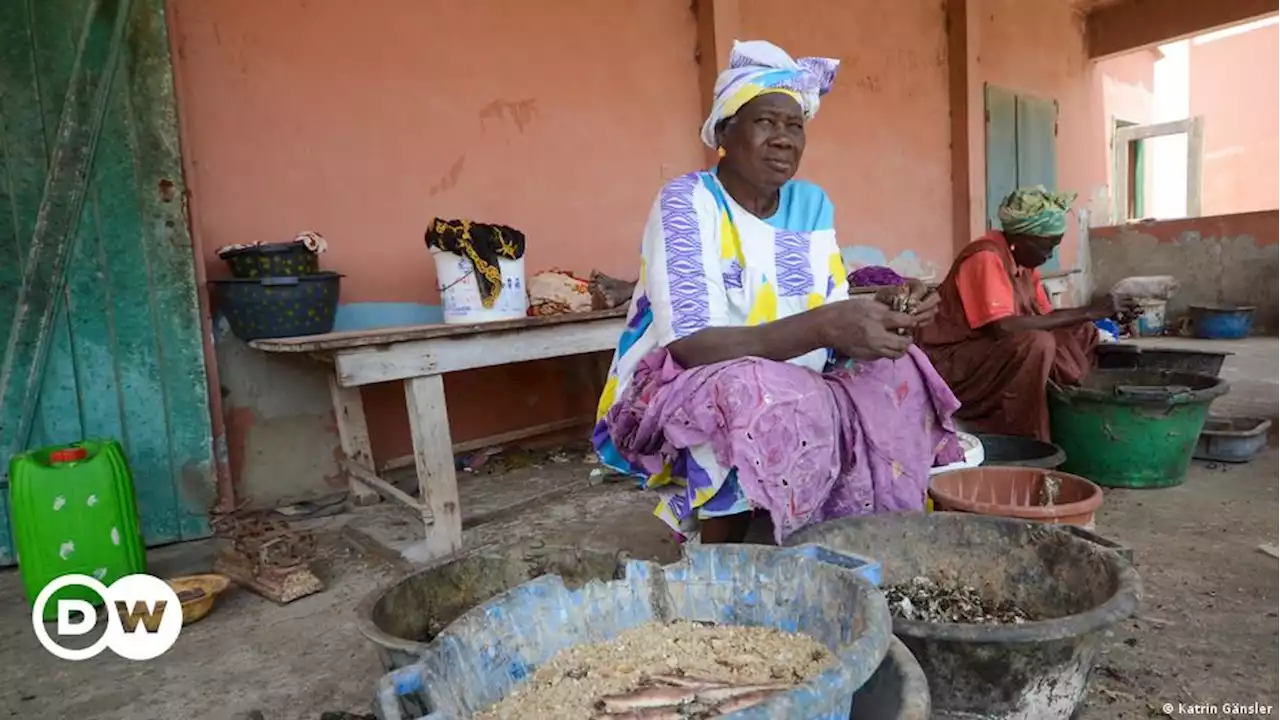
(1036,669)
(1024,493)
(1232,439)
(197,593)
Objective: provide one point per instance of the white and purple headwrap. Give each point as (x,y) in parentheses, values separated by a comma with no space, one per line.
(757,67)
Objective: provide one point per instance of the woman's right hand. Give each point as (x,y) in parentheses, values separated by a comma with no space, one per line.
(866,330)
(1111,306)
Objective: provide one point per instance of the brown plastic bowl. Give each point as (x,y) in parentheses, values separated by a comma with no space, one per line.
(1013,492)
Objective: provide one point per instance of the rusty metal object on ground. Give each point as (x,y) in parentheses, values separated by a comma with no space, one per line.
(266,555)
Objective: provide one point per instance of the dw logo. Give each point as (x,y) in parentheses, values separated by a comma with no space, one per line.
(144,617)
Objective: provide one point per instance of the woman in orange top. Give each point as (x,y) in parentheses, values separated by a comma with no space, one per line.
(997,341)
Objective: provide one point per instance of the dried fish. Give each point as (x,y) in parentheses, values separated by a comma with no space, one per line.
(649,697)
(682,681)
(717,696)
(1049,489)
(902,304)
(742,702)
(646,714)
(924,599)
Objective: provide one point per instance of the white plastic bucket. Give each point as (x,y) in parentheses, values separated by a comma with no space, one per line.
(460,294)
(1151,321)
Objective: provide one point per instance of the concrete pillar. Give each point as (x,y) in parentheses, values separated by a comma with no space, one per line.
(968,122)
(958,79)
(718,26)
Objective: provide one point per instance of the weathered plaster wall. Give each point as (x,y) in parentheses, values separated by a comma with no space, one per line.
(280,426)
(365,124)
(879,146)
(1219,259)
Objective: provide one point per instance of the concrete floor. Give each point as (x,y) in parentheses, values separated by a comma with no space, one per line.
(1206,632)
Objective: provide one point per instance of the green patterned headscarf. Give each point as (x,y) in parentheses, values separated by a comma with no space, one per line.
(1035,211)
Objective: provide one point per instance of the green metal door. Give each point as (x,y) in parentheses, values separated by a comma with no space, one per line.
(98,300)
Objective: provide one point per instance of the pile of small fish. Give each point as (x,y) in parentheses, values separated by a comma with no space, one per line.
(923,599)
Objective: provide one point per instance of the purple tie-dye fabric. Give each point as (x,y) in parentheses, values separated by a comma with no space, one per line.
(807,447)
(875,276)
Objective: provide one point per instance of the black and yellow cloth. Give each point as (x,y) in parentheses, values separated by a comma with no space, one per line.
(482,244)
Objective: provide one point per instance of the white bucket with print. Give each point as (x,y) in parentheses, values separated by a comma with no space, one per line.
(460,294)
(1151,321)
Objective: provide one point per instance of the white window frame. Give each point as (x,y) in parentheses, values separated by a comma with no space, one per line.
(1123,139)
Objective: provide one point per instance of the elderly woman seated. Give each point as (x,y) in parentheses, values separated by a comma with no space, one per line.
(746,379)
(997,340)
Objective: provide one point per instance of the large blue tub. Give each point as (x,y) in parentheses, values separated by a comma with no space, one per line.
(489,650)
(1221,322)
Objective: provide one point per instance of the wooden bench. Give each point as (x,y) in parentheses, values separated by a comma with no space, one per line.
(419,356)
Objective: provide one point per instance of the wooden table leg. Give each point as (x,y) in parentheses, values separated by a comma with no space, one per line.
(348,410)
(433,457)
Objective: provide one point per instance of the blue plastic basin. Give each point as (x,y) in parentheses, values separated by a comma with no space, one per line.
(1221,322)
(489,650)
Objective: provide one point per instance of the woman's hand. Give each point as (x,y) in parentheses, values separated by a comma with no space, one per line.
(1112,306)
(924,302)
(867,330)
(915,298)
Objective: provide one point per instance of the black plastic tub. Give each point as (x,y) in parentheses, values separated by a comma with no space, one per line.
(1037,669)
(401,618)
(897,691)
(1131,357)
(278,307)
(1015,451)
(291,259)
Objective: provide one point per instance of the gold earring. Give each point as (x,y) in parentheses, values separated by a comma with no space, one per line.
(721,152)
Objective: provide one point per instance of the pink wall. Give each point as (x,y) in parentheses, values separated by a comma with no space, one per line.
(1234,84)
(1123,85)
(1036,48)
(363,124)
(1127,83)
(880,143)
